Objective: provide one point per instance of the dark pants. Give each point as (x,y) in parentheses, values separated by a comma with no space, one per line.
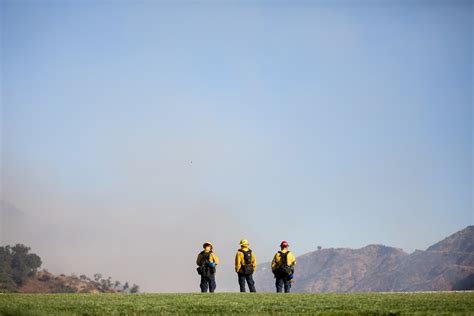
(283,282)
(250,282)
(208,282)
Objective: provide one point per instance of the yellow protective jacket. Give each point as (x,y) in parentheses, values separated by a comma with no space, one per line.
(240,262)
(276,262)
(212,258)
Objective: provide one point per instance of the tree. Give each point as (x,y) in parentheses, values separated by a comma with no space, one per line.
(134,289)
(5,267)
(97,277)
(6,283)
(16,265)
(106,284)
(319,247)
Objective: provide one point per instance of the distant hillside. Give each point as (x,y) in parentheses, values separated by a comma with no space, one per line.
(45,282)
(447,265)
(462,241)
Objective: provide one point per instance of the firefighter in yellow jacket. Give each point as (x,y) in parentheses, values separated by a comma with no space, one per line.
(207,262)
(283,267)
(245,265)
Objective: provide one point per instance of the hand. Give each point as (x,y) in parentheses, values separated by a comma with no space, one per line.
(212,264)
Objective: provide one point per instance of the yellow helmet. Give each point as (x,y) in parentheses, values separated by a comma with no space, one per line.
(244,242)
(207,243)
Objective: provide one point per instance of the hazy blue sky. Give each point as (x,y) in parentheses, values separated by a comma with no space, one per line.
(332,123)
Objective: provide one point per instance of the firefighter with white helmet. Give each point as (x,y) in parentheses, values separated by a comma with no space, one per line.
(207,262)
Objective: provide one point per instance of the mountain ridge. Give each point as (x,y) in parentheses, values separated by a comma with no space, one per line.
(380,268)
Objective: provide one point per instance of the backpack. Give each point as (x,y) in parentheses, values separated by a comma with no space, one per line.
(284,270)
(205,269)
(247,268)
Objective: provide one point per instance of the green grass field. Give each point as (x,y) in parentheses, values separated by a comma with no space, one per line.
(236,303)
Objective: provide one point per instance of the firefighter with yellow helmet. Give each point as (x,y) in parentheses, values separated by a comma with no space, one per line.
(245,265)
